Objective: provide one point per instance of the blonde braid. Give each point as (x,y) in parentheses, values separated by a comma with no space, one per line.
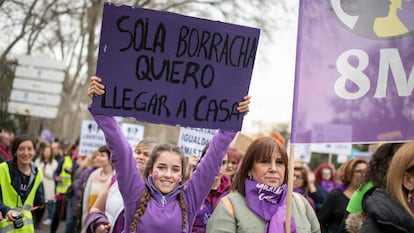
(183,210)
(142,207)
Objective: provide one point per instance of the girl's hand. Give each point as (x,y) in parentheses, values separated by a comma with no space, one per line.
(103,228)
(95,87)
(244,105)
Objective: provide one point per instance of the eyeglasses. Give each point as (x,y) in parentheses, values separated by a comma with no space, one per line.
(225,162)
(298,177)
(360,171)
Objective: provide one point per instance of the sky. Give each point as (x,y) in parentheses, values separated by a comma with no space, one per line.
(272,82)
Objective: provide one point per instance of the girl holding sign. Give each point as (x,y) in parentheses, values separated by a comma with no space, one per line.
(162,201)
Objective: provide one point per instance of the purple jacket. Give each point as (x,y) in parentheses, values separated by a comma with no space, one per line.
(159,217)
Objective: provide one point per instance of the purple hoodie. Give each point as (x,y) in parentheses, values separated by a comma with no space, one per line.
(160,216)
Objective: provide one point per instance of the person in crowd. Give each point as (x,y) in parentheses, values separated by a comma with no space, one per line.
(57,149)
(191,162)
(97,181)
(325,181)
(163,193)
(374,178)
(258,202)
(392,209)
(48,164)
(21,186)
(108,210)
(304,183)
(63,179)
(76,161)
(80,177)
(5,140)
(232,162)
(221,187)
(351,175)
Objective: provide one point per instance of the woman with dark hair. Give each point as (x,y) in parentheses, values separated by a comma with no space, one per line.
(333,209)
(257,203)
(98,180)
(20,187)
(304,183)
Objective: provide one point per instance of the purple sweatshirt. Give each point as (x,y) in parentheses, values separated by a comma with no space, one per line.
(160,217)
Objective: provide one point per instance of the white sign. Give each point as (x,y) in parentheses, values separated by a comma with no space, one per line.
(332,148)
(37,86)
(302,152)
(133,133)
(193,140)
(91,137)
(34,98)
(38,74)
(32,110)
(41,62)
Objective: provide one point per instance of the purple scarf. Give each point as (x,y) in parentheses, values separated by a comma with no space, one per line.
(269,203)
(298,190)
(327,185)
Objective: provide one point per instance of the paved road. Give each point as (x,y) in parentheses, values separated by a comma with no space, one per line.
(46,229)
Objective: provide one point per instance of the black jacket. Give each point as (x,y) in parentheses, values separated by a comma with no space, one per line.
(384,214)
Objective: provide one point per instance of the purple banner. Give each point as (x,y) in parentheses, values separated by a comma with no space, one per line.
(167,68)
(354,73)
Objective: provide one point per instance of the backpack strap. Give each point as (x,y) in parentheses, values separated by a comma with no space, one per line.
(300,201)
(227,203)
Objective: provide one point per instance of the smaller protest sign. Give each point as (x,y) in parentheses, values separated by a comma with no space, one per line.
(193,140)
(91,138)
(133,133)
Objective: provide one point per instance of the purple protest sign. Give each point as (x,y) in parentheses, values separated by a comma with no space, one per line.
(354,73)
(163,67)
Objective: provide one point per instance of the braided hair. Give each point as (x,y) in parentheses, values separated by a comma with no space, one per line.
(146,196)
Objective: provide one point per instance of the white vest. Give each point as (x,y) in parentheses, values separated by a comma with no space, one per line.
(114,205)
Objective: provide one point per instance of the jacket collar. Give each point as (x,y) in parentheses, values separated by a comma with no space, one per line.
(161,198)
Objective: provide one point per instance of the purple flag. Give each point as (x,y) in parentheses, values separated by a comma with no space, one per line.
(354,73)
(162,67)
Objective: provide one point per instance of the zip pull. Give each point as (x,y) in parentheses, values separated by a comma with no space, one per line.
(163,201)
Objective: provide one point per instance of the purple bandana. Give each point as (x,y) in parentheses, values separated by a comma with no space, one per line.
(269,203)
(298,190)
(327,185)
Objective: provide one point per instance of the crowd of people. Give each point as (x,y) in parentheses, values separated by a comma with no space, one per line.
(155,188)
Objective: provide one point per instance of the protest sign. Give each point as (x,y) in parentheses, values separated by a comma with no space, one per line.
(133,133)
(163,67)
(354,72)
(193,140)
(91,137)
